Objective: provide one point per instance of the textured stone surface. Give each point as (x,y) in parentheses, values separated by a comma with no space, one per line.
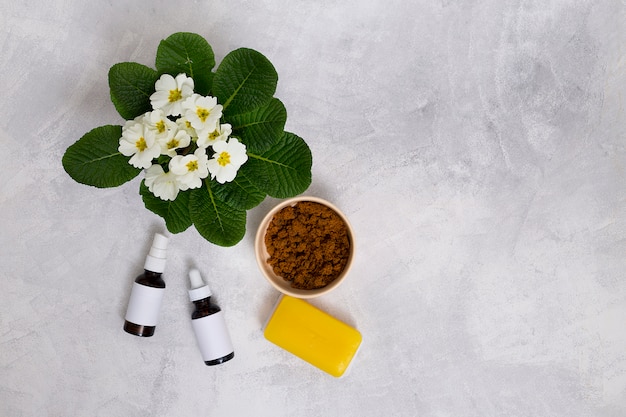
(476,146)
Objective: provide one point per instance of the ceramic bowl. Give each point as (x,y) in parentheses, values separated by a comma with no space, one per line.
(262,255)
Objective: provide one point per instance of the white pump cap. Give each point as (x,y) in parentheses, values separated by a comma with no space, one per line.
(155,261)
(199,289)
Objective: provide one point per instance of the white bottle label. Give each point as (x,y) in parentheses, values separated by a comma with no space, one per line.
(212,336)
(144,305)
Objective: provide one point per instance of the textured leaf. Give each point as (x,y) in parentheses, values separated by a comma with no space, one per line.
(244,81)
(215,220)
(131,86)
(187,53)
(239,193)
(282,171)
(94,159)
(175,213)
(261,127)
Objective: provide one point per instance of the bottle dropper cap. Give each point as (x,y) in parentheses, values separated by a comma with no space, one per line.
(199,289)
(155,261)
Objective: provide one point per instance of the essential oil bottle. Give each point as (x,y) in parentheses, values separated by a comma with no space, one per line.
(208,323)
(147,293)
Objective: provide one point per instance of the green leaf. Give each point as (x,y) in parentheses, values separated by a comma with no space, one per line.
(239,193)
(215,220)
(131,86)
(282,171)
(187,53)
(261,127)
(244,81)
(94,159)
(175,213)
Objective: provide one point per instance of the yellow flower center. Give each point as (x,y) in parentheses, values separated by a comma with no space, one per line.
(141,144)
(160,126)
(175,95)
(172,144)
(214,135)
(188,124)
(203,114)
(223,159)
(192,165)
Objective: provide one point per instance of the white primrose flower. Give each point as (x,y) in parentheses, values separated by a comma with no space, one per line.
(139,141)
(190,169)
(208,137)
(162,184)
(169,145)
(203,112)
(163,127)
(229,156)
(184,124)
(171,92)
(131,123)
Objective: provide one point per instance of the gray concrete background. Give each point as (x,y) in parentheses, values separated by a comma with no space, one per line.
(476,146)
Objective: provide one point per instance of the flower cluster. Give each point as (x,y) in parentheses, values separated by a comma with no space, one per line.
(182,140)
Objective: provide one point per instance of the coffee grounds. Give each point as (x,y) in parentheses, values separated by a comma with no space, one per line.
(308,245)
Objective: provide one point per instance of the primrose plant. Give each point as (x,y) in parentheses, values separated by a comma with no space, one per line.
(211,144)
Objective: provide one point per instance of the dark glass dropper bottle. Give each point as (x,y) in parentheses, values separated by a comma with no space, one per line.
(208,323)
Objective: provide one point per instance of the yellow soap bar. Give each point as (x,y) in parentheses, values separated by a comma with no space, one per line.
(312,335)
